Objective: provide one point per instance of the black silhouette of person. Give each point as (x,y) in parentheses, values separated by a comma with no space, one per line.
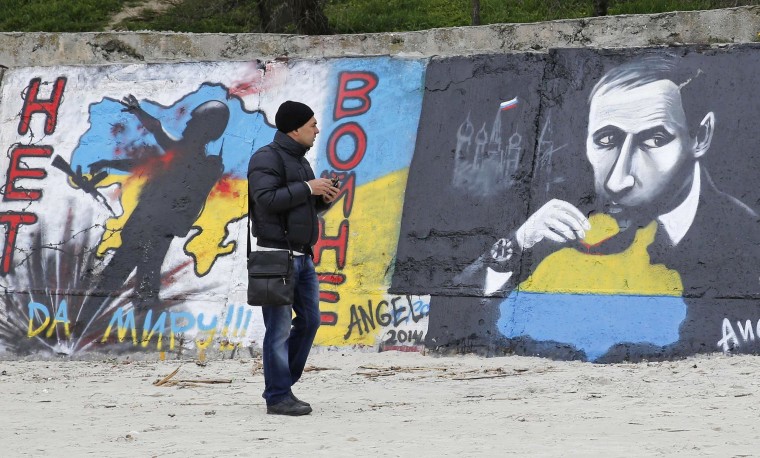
(177,186)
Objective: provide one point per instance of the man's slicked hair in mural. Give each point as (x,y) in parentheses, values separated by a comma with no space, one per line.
(658,67)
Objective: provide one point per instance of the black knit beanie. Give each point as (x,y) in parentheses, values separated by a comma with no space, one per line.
(292,115)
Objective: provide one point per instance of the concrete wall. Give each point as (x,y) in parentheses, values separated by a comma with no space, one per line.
(447,141)
(669,265)
(732,25)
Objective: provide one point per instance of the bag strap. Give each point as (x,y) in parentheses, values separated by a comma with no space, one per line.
(281,217)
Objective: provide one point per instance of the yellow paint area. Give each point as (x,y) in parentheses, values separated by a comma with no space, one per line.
(226,202)
(221,208)
(130,188)
(629,272)
(374,225)
(32,332)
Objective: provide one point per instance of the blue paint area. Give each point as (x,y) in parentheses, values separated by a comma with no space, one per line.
(115,134)
(391,122)
(592,323)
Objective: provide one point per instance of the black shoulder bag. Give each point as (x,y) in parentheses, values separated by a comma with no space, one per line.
(270,273)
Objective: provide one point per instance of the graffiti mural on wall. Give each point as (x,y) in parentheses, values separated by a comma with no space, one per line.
(125,198)
(370,136)
(638,240)
(586,204)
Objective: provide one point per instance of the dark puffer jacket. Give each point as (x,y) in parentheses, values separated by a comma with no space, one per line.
(278,195)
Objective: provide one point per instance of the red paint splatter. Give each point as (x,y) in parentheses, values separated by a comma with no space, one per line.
(591,246)
(117,129)
(167,158)
(169,277)
(253,80)
(224,187)
(151,165)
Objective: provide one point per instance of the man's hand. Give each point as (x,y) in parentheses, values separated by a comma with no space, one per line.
(323,187)
(557,220)
(130,103)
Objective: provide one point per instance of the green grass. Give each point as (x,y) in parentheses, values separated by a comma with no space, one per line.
(345,16)
(358,16)
(199,16)
(352,16)
(661,6)
(57,15)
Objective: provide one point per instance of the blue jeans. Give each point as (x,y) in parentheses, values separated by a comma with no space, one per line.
(288,339)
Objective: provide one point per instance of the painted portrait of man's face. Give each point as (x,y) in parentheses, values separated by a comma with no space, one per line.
(639,147)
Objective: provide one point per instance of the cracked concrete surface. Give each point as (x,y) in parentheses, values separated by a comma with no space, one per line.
(713,27)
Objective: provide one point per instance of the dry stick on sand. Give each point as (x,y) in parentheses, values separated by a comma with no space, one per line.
(500,373)
(316,369)
(376,374)
(166,381)
(379,371)
(483,376)
(404,369)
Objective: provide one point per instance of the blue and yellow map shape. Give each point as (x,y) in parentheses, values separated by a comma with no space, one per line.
(594,302)
(115,134)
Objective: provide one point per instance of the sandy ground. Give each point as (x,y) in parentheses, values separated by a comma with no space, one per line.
(384,404)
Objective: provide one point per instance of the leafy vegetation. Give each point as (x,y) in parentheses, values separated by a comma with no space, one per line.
(344,16)
(58,15)
(200,16)
(355,16)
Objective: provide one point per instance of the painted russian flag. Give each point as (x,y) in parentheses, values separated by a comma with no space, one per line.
(509,104)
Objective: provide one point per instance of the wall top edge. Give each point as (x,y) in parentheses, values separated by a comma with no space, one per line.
(706,27)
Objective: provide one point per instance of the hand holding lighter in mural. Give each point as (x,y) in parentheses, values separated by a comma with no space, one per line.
(557,220)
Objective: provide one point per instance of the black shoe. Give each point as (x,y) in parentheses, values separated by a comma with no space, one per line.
(288,407)
(298,401)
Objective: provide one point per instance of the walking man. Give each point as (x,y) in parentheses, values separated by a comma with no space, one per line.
(285,199)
